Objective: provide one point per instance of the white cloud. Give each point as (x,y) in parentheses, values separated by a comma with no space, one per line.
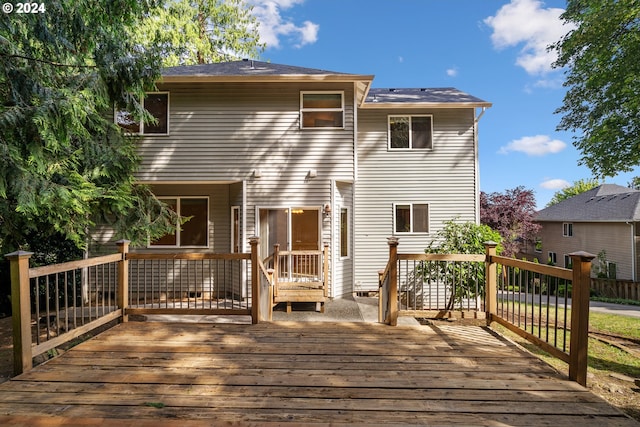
(538,145)
(452,72)
(529,24)
(274,26)
(555,184)
(401,59)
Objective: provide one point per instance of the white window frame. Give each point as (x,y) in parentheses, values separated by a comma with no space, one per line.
(311,110)
(178,230)
(410,116)
(411,204)
(567,229)
(553,257)
(348,236)
(235,209)
(568,262)
(141,124)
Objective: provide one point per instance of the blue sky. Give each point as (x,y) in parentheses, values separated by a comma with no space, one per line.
(492,49)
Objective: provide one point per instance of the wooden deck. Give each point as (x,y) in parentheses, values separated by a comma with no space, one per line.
(157,374)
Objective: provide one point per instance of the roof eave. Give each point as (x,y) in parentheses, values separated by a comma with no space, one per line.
(407,105)
(267,78)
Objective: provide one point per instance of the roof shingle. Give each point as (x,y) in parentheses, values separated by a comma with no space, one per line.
(605,203)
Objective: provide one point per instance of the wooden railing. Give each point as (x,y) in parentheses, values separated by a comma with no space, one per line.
(54,304)
(527,298)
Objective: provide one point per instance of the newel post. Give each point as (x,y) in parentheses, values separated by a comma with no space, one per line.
(255,280)
(393,280)
(325,268)
(491,282)
(276,267)
(123,278)
(21,311)
(579,343)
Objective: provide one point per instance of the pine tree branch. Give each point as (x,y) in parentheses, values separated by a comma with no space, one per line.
(44,61)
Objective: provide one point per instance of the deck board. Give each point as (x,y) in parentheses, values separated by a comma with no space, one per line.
(299,374)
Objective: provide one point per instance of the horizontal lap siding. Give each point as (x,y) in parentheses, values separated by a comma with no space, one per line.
(223,132)
(614,238)
(444,177)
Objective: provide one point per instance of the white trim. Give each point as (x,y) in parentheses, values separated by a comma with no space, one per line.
(235,208)
(311,110)
(178,231)
(410,148)
(411,232)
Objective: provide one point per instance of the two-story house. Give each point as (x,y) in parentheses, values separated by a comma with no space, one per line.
(302,157)
(606,218)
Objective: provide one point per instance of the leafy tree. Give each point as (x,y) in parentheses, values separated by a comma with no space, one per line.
(576,188)
(510,214)
(64,165)
(634,183)
(201,31)
(464,280)
(602,103)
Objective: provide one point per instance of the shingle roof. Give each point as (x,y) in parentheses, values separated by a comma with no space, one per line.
(421,95)
(243,68)
(606,203)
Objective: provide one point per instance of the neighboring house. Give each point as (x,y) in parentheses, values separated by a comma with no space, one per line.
(606,218)
(301,157)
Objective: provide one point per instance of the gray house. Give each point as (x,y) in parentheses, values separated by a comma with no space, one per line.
(305,157)
(606,218)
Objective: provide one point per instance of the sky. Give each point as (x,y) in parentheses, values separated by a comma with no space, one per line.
(495,50)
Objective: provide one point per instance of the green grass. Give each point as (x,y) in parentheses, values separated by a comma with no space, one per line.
(616,300)
(625,326)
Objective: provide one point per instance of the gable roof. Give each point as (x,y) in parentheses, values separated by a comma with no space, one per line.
(442,97)
(248,70)
(605,203)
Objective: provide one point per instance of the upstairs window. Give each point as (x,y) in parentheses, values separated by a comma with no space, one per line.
(156,104)
(322,110)
(411,218)
(410,132)
(195,232)
(567,229)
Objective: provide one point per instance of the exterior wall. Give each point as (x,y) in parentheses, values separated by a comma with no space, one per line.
(615,238)
(220,134)
(224,132)
(444,177)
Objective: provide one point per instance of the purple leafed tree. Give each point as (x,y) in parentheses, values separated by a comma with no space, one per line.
(510,214)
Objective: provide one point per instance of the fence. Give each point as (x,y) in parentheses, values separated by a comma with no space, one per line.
(54,304)
(527,298)
(620,289)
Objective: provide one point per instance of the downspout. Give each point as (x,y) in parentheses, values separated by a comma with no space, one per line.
(354,193)
(334,240)
(476,119)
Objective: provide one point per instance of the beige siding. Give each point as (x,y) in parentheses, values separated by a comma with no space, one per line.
(224,132)
(614,238)
(444,177)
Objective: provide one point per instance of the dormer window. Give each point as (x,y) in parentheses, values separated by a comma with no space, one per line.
(321,110)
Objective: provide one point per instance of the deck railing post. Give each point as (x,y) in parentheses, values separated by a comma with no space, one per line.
(325,268)
(255,280)
(276,268)
(393,280)
(579,342)
(491,282)
(123,278)
(21,311)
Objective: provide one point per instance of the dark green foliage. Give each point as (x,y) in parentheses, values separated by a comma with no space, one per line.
(63,163)
(602,103)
